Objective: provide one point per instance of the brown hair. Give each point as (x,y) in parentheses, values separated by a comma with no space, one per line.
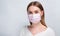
(36,3)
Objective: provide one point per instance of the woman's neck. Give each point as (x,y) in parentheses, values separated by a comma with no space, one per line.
(36,25)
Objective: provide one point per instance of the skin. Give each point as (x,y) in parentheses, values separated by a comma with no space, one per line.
(35,28)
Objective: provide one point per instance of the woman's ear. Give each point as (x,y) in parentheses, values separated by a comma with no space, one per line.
(42,13)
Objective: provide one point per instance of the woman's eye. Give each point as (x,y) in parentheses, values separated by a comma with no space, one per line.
(30,12)
(36,11)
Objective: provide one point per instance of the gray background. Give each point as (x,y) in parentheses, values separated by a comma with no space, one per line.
(13,15)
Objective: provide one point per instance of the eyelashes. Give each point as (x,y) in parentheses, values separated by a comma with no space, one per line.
(30,13)
(36,12)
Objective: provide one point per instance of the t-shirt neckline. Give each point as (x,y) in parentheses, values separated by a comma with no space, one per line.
(37,33)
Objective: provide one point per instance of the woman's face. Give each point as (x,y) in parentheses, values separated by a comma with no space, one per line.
(34,10)
(34,14)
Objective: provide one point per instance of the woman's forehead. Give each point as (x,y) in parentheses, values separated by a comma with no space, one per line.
(33,8)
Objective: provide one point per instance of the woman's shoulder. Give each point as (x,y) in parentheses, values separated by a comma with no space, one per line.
(23,30)
(50,31)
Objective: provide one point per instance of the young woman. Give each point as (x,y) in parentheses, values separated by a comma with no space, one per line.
(37,25)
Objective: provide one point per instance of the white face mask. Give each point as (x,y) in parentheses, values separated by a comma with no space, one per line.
(34,18)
